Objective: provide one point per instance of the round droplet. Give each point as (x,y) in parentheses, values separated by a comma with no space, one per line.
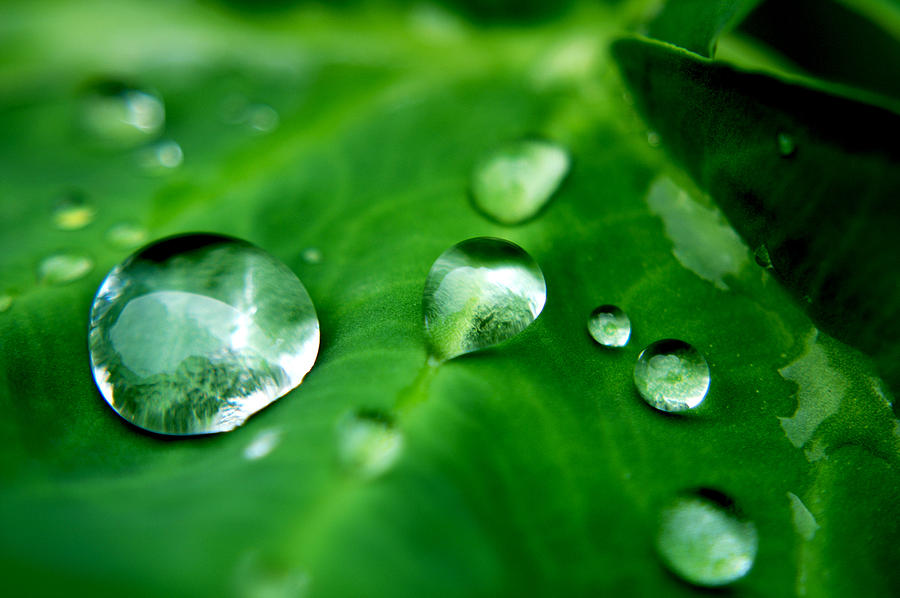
(479,293)
(609,326)
(116,113)
(161,157)
(786,144)
(73,211)
(126,235)
(195,333)
(703,541)
(671,375)
(62,268)
(512,184)
(653,139)
(261,118)
(312,255)
(368,443)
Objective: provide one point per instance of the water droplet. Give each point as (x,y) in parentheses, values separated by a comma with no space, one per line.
(653,139)
(368,443)
(261,118)
(786,144)
(118,114)
(609,326)
(195,333)
(62,268)
(704,542)
(512,184)
(161,157)
(479,293)
(262,445)
(671,375)
(126,235)
(804,521)
(762,257)
(312,255)
(6,301)
(73,211)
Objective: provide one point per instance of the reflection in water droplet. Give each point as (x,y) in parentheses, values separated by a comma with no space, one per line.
(653,139)
(195,333)
(515,182)
(762,257)
(262,445)
(671,375)
(312,255)
(73,211)
(261,118)
(6,301)
(117,114)
(479,293)
(704,543)
(126,235)
(62,268)
(368,443)
(161,157)
(786,144)
(609,326)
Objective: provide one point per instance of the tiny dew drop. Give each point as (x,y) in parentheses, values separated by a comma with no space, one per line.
(704,541)
(261,118)
(312,255)
(161,157)
(368,443)
(479,293)
(672,376)
(118,114)
(73,211)
(512,184)
(762,257)
(195,333)
(609,326)
(126,235)
(653,139)
(62,268)
(6,301)
(786,144)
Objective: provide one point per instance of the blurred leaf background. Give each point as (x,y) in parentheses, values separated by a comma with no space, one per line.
(341,138)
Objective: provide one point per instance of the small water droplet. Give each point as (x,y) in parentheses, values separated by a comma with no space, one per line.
(479,293)
(62,268)
(786,144)
(126,235)
(512,184)
(119,114)
(368,443)
(762,257)
(312,255)
(195,333)
(161,157)
(609,326)
(262,445)
(653,139)
(73,211)
(705,542)
(6,301)
(261,118)
(672,376)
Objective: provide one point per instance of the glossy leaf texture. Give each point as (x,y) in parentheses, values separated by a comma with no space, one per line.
(531,468)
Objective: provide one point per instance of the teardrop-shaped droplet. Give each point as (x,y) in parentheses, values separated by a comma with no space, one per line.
(368,443)
(762,257)
(63,268)
(478,293)
(671,375)
(702,540)
(512,184)
(786,144)
(195,333)
(118,114)
(73,211)
(609,326)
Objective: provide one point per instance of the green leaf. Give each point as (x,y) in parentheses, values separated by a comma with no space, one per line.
(695,24)
(533,468)
(822,206)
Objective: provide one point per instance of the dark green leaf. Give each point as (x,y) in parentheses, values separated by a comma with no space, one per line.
(695,24)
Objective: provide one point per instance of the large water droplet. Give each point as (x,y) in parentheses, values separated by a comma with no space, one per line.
(195,333)
(73,211)
(478,293)
(118,114)
(704,542)
(62,268)
(786,144)
(512,184)
(671,375)
(609,326)
(368,443)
